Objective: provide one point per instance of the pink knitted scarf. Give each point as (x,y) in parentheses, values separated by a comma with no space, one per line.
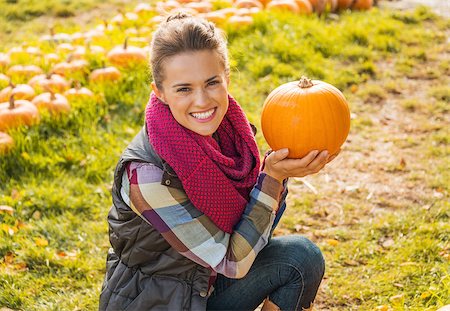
(217,176)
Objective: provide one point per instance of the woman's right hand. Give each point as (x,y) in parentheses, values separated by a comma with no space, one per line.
(280,168)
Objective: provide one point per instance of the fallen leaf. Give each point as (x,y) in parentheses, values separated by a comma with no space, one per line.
(388,243)
(41,242)
(402,164)
(382,308)
(20,266)
(61,254)
(36,215)
(21,225)
(6,209)
(396,297)
(9,258)
(8,229)
(352,263)
(15,194)
(409,263)
(425,295)
(332,242)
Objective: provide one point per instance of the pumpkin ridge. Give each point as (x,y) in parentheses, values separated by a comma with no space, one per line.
(333,121)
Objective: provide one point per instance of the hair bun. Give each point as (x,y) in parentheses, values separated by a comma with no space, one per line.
(179,15)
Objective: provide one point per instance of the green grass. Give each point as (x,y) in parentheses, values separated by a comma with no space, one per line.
(388,251)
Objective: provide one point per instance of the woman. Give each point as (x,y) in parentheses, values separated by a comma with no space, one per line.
(194,210)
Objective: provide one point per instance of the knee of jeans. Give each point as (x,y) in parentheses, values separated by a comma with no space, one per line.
(306,256)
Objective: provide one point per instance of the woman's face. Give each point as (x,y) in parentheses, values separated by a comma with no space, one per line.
(195,88)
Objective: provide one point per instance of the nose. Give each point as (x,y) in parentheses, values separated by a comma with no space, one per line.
(201,99)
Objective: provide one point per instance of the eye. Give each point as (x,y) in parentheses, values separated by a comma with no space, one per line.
(183,90)
(214,82)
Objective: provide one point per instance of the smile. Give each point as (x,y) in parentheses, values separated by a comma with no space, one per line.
(203,115)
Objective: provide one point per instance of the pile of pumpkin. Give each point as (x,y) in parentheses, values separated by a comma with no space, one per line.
(22,104)
(240,12)
(26,88)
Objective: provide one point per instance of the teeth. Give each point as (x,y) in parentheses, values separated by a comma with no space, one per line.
(203,115)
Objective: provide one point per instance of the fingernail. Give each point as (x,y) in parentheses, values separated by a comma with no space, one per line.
(316,152)
(325,153)
(284,151)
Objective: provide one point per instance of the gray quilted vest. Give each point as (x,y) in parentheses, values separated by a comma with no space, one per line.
(143,272)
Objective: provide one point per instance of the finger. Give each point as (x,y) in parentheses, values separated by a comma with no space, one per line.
(319,161)
(332,157)
(307,159)
(278,155)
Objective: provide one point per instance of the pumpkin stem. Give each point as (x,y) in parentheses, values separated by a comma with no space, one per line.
(125,43)
(305,82)
(69,58)
(52,95)
(11,102)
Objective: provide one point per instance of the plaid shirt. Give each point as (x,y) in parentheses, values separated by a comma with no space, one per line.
(192,233)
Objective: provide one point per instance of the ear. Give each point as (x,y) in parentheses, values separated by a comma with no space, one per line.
(157,91)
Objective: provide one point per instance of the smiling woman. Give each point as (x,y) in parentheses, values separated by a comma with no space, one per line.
(193,209)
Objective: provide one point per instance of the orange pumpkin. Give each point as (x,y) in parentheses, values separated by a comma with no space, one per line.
(51,58)
(362,4)
(288,5)
(6,143)
(4,60)
(53,103)
(240,20)
(24,71)
(101,75)
(228,11)
(78,92)
(124,56)
(264,2)
(344,4)
(17,53)
(248,4)
(247,11)
(16,113)
(19,91)
(304,6)
(49,82)
(216,17)
(321,6)
(200,7)
(65,48)
(143,9)
(71,67)
(305,115)
(81,52)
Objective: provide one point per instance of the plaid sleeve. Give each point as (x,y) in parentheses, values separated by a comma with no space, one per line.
(192,233)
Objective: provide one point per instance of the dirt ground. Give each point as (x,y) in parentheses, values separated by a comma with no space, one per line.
(441,7)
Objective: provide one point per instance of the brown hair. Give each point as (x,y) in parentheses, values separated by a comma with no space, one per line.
(184,33)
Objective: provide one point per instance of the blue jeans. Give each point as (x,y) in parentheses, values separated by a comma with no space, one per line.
(288,271)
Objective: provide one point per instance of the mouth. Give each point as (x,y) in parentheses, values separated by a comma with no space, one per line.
(204,116)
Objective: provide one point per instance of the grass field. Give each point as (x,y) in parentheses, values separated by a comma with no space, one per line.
(379,212)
